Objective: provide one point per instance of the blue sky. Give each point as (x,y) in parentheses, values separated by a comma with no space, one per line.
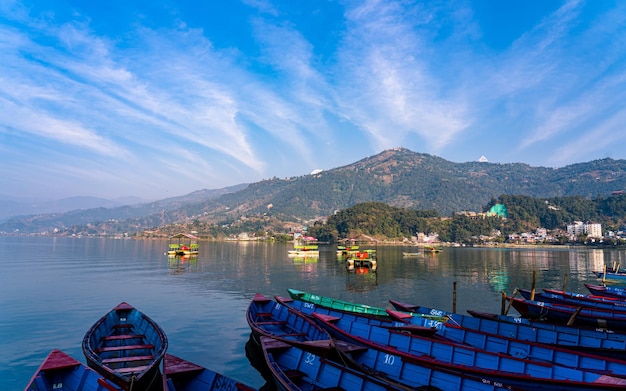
(157,98)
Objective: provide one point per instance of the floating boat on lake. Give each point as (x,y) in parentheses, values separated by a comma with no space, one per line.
(603,343)
(342,305)
(500,369)
(617,292)
(575,299)
(294,369)
(59,371)
(183,244)
(268,318)
(432,249)
(127,347)
(571,315)
(392,368)
(477,337)
(608,275)
(183,375)
(409,254)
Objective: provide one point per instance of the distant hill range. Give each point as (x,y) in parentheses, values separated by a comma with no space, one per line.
(398,177)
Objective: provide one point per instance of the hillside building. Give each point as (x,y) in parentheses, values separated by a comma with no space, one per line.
(592,230)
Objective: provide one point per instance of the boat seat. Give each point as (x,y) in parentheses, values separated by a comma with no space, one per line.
(274,322)
(348,347)
(121,337)
(263,314)
(126,359)
(128,347)
(123,326)
(294,374)
(131,369)
(293,335)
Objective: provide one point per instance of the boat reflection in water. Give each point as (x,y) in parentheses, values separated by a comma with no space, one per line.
(182,263)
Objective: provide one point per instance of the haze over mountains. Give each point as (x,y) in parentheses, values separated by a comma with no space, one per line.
(398,177)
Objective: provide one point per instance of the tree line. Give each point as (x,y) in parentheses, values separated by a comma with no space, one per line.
(524,214)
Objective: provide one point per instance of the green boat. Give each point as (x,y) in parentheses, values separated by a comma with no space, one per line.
(346,306)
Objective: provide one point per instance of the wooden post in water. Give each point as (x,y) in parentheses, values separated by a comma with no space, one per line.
(454,297)
(564,282)
(604,275)
(503,304)
(532,291)
(511,301)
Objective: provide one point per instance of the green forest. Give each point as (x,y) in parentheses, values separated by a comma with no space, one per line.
(524,214)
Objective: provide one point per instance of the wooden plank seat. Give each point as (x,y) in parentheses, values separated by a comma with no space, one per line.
(294,374)
(277,322)
(123,326)
(126,359)
(122,337)
(293,335)
(127,347)
(131,369)
(263,315)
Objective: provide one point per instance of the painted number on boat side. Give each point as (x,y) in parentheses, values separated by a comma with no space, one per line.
(309,306)
(436,312)
(389,359)
(309,359)
(496,384)
(277,306)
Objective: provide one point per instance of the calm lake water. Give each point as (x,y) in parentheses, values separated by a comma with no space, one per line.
(53,289)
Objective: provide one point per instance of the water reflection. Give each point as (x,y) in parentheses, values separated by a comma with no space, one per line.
(182,263)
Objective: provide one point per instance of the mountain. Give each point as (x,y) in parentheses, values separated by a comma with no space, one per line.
(48,222)
(10,207)
(398,177)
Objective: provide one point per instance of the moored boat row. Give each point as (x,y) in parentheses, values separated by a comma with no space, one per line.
(449,351)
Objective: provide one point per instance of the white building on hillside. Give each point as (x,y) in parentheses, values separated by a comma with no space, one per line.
(592,230)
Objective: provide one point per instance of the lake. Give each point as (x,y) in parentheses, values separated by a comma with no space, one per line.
(53,289)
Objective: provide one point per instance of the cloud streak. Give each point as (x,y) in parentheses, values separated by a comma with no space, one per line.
(162,103)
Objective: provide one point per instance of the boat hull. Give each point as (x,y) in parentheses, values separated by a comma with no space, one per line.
(128,348)
(59,371)
(183,375)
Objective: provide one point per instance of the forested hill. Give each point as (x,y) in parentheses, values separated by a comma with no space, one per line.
(398,177)
(406,179)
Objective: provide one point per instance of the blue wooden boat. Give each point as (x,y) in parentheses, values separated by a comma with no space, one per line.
(380,364)
(59,371)
(294,369)
(617,292)
(611,275)
(492,341)
(127,347)
(183,375)
(601,342)
(269,318)
(571,315)
(493,367)
(575,299)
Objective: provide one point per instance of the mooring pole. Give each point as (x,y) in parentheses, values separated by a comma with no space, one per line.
(532,291)
(454,297)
